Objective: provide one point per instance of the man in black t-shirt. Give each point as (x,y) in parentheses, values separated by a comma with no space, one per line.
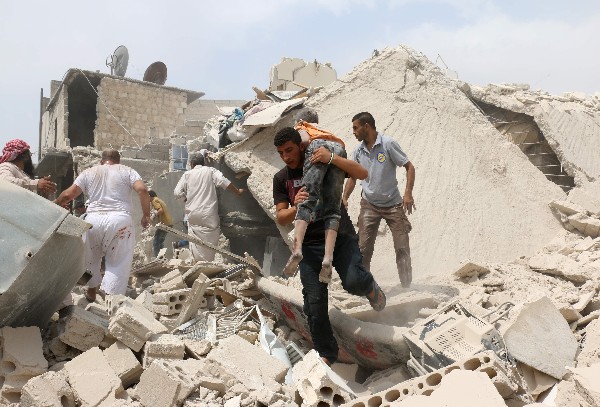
(288,192)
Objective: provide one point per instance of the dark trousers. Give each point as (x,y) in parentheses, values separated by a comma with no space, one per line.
(159,241)
(347,261)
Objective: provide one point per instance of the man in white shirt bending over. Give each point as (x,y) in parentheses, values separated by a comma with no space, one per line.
(198,187)
(108,187)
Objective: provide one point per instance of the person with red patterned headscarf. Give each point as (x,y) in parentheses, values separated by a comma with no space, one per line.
(16,167)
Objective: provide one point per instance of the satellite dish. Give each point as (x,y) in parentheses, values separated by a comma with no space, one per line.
(156,73)
(118,61)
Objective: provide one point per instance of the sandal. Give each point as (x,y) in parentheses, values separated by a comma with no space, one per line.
(378,301)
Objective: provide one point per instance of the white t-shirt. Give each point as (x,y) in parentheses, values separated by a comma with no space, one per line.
(199,188)
(108,187)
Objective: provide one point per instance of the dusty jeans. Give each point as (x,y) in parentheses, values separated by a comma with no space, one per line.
(325,182)
(395,217)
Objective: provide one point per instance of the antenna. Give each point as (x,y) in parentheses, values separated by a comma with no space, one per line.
(118,61)
(156,73)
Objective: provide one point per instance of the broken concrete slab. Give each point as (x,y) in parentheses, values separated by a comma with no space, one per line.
(81,329)
(590,352)
(587,225)
(93,381)
(250,364)
(122,360)
(558,265)
(587,197)
(537,382)
(50,389)
(34,230)
(567,208)
(194,300)
(170,281)
(587,383)
(538,335)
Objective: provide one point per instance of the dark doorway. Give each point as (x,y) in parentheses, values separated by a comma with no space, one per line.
(82,110)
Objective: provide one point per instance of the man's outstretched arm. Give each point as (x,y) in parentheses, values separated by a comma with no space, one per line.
(350,167)
(142,191)
(408,200)
(68,195)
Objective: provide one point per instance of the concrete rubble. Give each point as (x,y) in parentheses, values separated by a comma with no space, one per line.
(504,309)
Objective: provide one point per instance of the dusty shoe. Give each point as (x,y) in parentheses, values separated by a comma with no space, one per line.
(325,274)
(376,297)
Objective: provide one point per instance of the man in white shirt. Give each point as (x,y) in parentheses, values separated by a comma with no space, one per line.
(16,167)
(108,187)
(198,187)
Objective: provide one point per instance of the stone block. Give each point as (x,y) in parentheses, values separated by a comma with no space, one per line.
(124,363)
(99,310)
(470,269)
(133,325)
(586,225)
(567,208)
(145,298)
(317,384)
(93,380)
(537,382)
(168,383)
(80,328)
(169,321)
(169,302)
(162,346)
(250,364)
(197,349)
(21,359)
(538,335)
(169,282)
(49,390)
(558,265)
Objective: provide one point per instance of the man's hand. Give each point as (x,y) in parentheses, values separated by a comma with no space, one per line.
(345,202)
(301,196)
(145,221)
(321,155)
(240,191)
(45,186)
(409,203)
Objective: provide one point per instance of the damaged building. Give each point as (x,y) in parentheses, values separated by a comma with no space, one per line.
(503,311)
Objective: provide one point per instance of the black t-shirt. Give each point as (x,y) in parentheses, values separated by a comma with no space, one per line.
(286,184)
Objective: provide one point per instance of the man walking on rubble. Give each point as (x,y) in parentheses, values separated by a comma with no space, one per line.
(162,216)
(288,193)
(108,187)
(198,187)
(381,199)
(16,167)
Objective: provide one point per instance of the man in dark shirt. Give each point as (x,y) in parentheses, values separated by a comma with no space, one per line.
(288,192)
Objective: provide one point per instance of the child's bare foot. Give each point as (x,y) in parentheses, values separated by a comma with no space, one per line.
(325,274)
(292,264)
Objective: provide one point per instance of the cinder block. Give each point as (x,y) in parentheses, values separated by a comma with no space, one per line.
(502,375)
(317,384)
(250,364)
(93,380)
(22,359)
(99,310)
(170,282)
(80,328)
(145,298)
(163,346)
(133,325)
(169,302)
(124,363)
(168,383)
(194,300)
(48,390)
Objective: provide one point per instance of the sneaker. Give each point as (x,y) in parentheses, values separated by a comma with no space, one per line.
(378,300)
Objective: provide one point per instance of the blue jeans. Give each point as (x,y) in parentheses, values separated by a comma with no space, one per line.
(347,261)
(159,241)
(322,181)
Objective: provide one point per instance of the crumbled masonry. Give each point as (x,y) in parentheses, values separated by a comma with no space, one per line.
(504,309)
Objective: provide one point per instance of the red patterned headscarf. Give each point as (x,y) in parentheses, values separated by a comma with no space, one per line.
(13,149)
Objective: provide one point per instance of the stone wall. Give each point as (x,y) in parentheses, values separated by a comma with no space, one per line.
(145,111)
(54,130)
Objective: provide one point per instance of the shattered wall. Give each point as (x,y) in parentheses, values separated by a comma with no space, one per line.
(296,74)
(144,111)
(477,195)
(54,129)
(570,123)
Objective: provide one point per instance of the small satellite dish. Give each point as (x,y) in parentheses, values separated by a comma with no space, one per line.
(156,73)
(118,61)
